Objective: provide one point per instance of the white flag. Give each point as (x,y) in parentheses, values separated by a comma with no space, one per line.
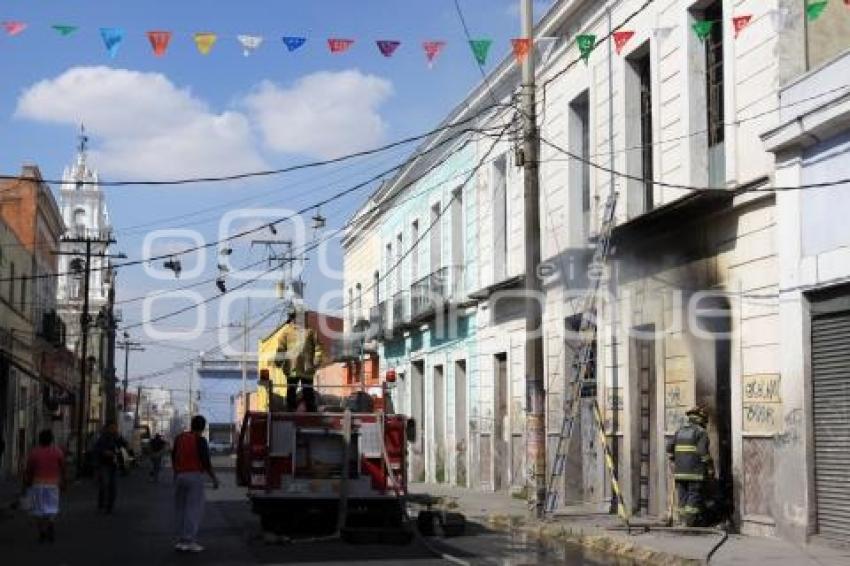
(249,43)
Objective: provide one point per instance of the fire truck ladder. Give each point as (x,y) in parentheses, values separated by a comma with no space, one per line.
(581,371)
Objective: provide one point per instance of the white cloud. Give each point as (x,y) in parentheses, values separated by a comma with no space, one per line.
(325,114)
(143,125)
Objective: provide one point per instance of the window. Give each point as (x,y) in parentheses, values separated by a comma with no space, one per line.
(358,305)
(458,256)
(388,258)
(639,131)
(399,252)
(351,306)
(80,221)
(579,137)
(826,37)
(436,238)
(414,254)
(500,218)
(376,282)
(11,283)
(715,108)
(23,292)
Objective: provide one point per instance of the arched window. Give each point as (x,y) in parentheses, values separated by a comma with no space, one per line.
(79,221)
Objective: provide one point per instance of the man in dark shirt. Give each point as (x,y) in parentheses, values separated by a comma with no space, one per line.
(107,455)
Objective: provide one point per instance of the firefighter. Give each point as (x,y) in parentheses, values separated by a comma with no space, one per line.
(298,356)
(693,468)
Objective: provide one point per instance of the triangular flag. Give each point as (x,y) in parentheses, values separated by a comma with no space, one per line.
(780,18)
(293,43)
(521,47)
(740,22)
(250,43)
(204,41)
(545,46)
(432,49)
(339,45)
(815,9)
(64,30)
(387,47)
(621,38)
(586,43)
(159,41)
(480,48)
(112,38)
(14,28)
(703,28)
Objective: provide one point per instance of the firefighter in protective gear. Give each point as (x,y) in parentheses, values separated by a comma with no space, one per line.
(693,468)
(298,355)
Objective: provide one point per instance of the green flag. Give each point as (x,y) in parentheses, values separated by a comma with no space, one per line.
(64,29)
(815,9)
(703,28)
(480,48)
(586,43)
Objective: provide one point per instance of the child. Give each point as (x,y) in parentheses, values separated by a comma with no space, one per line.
(45,476)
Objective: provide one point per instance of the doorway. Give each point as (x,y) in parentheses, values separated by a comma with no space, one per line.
(460,423)
(417,411)
(501,462)
(439,413)
(645,445)
(716,394)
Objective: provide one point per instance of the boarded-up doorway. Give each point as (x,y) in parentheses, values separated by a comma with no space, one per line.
(439,413)
(417,410)
(461,426)
(645,444)
(501,452)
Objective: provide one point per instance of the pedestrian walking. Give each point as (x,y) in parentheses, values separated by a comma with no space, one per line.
(44,479)
(108,454)
(693,468)
(158,446)
(190,460)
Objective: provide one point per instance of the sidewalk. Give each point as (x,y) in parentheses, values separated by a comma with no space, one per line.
(599,532)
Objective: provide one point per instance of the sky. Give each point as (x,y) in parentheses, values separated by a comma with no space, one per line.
(186,115)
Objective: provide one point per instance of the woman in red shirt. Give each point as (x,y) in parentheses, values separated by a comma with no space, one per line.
(45,476)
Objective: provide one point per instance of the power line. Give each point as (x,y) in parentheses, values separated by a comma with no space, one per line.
(264,226)
(664,184)
(252,174)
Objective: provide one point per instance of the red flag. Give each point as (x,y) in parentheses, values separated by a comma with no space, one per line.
(621,38)
(740,22)
(14,28)
(432,49)
(521,48)
(337,45)
(159,41)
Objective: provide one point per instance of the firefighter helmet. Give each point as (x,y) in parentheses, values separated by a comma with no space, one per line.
(698,412)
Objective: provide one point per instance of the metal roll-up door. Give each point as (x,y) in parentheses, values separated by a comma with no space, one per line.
(831,408)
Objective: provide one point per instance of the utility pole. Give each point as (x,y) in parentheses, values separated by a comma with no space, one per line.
(129,346)
(111,381)
(191,380)
(82,401)
(534,382)
(245,356)
(138,402)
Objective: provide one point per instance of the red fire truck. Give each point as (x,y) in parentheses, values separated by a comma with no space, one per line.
(311,473)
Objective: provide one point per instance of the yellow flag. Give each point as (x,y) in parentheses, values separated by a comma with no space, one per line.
(205,41)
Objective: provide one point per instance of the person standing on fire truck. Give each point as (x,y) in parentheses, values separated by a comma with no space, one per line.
(298,356)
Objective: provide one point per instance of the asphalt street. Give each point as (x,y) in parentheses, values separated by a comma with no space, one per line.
(139,532)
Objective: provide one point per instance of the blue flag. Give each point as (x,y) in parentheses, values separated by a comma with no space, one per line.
(293,43)
(112,38)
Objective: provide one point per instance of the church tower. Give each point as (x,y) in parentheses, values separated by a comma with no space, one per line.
(84,211)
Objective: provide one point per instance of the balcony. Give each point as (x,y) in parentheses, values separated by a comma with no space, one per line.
(378,322)
(401,310)
(437,290)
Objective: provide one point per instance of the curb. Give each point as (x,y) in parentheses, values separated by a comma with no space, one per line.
(589,539)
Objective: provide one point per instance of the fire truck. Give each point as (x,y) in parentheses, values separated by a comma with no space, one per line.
(318,473)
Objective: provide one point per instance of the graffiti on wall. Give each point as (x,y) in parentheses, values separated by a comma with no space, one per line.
(762,403)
